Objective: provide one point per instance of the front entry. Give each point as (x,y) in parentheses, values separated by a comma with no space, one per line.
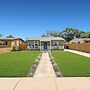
(45,45)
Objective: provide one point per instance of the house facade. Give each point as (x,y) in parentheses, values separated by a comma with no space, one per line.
(80,40)
(45,43)
(10,42)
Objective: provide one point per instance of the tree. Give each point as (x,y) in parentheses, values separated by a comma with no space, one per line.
(10,36)
(76,33)
(88,33)
(52,34)
(43,35)
(69,33)
(84,34)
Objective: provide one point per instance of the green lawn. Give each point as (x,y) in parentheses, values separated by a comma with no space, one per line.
(72,64)
(16,64)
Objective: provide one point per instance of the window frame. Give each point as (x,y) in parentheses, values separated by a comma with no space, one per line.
(4,43)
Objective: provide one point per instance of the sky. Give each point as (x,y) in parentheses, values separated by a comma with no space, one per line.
(32,18)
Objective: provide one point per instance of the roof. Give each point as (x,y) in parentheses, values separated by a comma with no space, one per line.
(11,39)
(45,38)
(79,39)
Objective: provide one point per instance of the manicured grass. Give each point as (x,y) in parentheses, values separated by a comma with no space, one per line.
(16,64)
(72,64)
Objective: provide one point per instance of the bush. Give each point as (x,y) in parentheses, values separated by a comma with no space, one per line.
(36,61)
(58,74)
(16,48)
(55,65)
(35,66)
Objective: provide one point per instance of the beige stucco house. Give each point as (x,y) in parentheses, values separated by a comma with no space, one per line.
(10,42)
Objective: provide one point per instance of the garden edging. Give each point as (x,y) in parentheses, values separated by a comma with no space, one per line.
(55,66)
(34,66)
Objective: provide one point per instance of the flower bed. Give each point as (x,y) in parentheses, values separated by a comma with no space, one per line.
(55,66)
(34,66)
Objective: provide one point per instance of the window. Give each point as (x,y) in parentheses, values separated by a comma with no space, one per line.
(35,43)
(3,42)
(61,43)
(55,43)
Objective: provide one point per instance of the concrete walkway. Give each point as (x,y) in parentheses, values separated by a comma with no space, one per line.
(78,52)
(76,83)
(45,68)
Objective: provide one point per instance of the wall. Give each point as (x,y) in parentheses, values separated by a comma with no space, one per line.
(84,47)
(5,50)
(18,42)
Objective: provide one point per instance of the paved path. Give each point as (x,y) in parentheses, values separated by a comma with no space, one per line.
(45,68)
(76,83)
(78,52)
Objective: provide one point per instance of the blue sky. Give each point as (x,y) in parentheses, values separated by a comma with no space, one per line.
(32,18)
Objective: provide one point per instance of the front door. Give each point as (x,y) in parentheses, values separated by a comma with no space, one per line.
(45,45)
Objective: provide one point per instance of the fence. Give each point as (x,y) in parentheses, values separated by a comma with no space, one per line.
(5,50)
(84,47)
(23,46)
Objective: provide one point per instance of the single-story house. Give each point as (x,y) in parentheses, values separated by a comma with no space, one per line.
(10,42)
(80,40)
(45,43)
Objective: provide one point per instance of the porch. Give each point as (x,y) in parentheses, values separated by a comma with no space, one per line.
(45,45)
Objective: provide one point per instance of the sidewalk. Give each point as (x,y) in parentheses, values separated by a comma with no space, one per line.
(77,83)
(78,52)
(45,79)
(45,68)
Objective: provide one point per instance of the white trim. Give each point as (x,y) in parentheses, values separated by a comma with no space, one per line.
(40,45)
(50,45)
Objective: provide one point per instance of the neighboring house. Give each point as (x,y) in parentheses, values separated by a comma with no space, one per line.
(45,43)
(80,40)
(10,42)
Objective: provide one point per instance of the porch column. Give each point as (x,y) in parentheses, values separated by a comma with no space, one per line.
(40,45)
(50,45)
